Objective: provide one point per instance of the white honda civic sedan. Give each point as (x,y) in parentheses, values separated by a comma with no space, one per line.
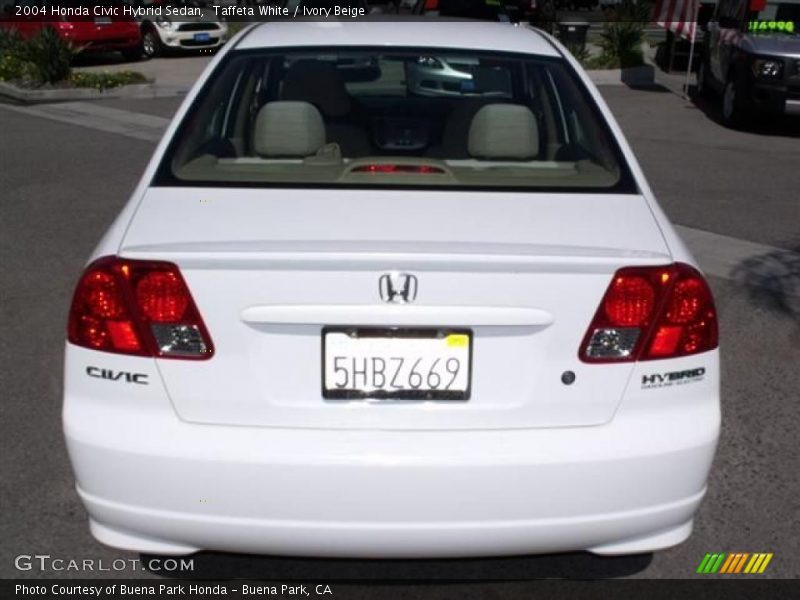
(340,318)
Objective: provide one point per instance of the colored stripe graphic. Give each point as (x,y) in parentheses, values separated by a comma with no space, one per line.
(703,563)
(711,563)
(727,565)
(735,563)
(758,563)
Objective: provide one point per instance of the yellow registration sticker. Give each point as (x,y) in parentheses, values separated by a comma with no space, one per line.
(457,340)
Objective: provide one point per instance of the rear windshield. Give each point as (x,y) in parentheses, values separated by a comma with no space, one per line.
(413,117)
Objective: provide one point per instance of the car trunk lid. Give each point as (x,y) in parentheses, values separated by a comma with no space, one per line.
(270,269)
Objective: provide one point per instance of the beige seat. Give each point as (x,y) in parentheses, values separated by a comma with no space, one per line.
(288,130)
(504,131)
(453,143)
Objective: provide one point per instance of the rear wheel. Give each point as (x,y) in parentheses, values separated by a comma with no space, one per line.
(151,44)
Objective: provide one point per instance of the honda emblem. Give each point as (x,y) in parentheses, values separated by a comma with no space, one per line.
(398,288)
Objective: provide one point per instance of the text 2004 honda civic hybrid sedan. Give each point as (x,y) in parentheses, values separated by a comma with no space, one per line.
(342,318)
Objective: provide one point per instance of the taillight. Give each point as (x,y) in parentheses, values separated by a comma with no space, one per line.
(137,307)
(652,312)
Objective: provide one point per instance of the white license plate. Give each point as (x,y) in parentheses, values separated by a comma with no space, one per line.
(414,364)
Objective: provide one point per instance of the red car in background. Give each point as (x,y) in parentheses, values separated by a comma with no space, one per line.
(90,32)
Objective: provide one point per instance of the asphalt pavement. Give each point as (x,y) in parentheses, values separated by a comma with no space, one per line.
(61,184)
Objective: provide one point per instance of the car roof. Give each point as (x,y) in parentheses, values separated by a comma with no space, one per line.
(419,32)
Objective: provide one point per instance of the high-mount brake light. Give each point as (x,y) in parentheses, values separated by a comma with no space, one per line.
(392,168)
(137,307)
(651,313)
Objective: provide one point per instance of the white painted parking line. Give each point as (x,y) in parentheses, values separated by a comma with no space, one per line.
(718,255)
(111,120)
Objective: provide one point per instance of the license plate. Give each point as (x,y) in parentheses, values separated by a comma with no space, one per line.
(202,37)
(413,364)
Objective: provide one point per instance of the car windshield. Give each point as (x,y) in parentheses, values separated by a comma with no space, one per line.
(777,17)
(417,117)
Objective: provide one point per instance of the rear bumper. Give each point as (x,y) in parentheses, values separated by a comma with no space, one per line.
(153,483)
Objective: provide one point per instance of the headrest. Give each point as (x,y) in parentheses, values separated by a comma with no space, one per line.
(504,131)
(319,83)
(288,129)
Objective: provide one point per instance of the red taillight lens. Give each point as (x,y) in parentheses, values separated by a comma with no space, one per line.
(650,313)
(162,296)
(629,301)
(686,301)
(137,307)
(102,295)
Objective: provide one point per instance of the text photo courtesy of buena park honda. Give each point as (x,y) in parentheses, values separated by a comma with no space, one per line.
(399,298)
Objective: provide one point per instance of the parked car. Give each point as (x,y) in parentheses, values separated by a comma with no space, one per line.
(162,33)
(339,319)
(88,32)
(751,57)
(455,76)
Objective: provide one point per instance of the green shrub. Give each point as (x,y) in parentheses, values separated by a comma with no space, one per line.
(50,56)
(12,62)
(581,53)
(46,59)
(104,81)
(10,41)
(12,67)
(623,34)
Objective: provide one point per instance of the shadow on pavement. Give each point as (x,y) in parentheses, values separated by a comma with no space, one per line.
(650,87)
(579,565)
(759,124)
(92,59)
(773,280)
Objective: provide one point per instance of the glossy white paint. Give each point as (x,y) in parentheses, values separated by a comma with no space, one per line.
(423,32)
(241,452)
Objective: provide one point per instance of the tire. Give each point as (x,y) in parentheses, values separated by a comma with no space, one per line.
(734,111)
(151,43)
